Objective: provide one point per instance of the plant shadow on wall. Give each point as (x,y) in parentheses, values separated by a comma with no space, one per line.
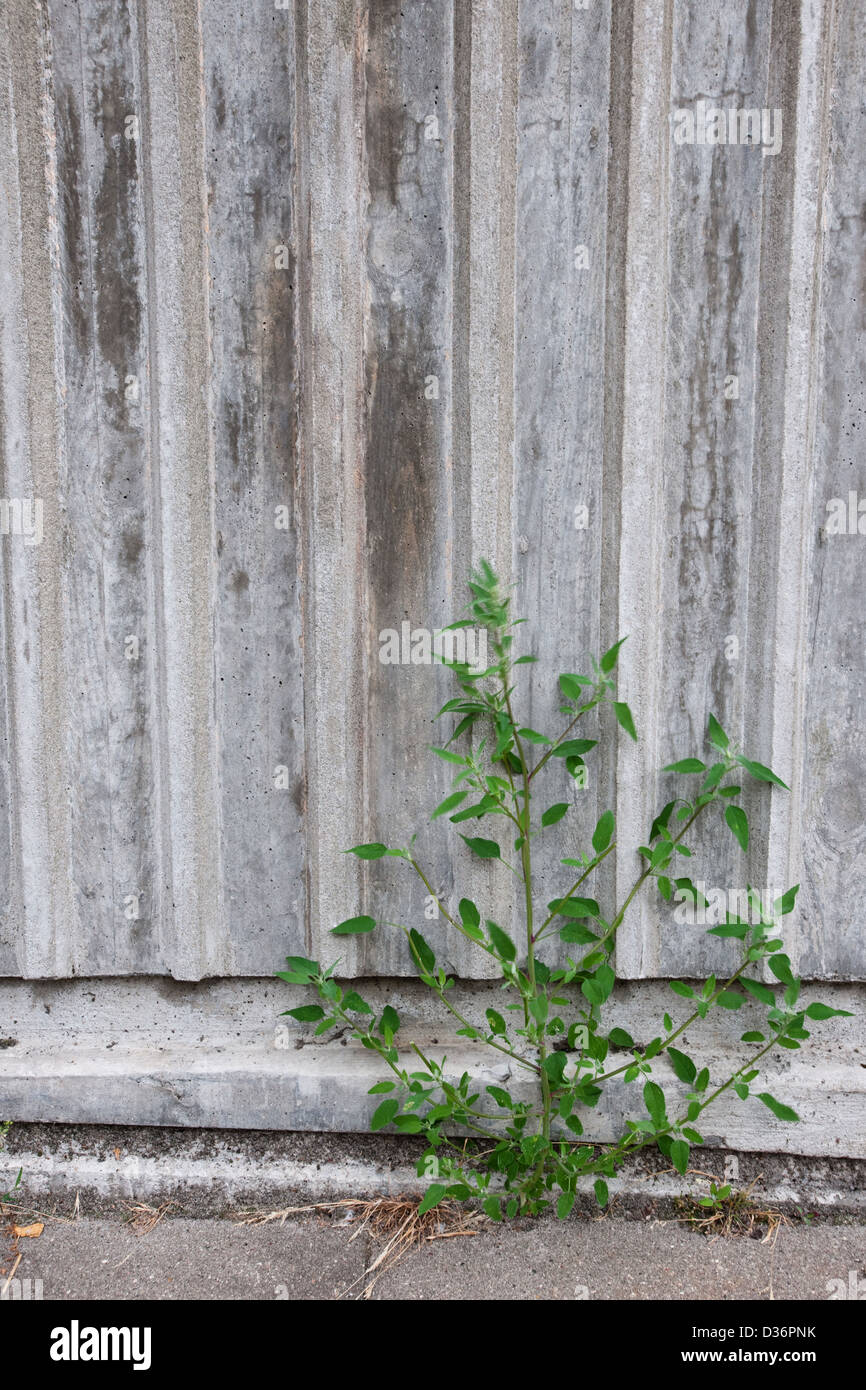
(531,1154)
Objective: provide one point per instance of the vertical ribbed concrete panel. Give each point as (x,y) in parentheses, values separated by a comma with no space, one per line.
(250,133)
(40,929)
(331,283)
(192,929)
(308,306)
(829,734)
(408,127)
(106,495)
(642,459)
(559,411)
(485,211)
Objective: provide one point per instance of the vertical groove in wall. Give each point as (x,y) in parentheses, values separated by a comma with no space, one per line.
(794,470)
(180,363)
(640,598)
(485,74)
(163,873)
(491,195)
(333,461)
(622,48)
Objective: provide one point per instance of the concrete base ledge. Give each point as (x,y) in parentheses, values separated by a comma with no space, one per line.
(219,1055)
(215,1172)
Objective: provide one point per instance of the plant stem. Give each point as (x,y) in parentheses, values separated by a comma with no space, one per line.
(552,749)
(526,859)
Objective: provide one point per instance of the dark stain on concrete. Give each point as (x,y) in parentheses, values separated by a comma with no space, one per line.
(402,444)
(115,246)
(70,171)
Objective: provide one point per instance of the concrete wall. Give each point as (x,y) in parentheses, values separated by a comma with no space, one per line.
(305,307)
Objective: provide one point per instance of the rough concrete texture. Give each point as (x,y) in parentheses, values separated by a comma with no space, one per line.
(306,308)
(213,1172)
(314,1258)
(219,1053)
(309,307)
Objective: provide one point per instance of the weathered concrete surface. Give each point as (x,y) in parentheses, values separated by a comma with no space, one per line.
(586,1260)
(219,1053)
(304,309)
(216,1172)
(307,307)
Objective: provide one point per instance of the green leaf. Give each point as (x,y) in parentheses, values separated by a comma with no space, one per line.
(354,926)
(409,1124)
(307,1013)
(758,990)
(576,933)
(782,906)
(423,953)
(384,1114)
(684,991)
(752,1037)
(432,1197)
(533,736)
(447,755)
(654,1100)
(603,833)
(683,1066)
(686,765)
(680,1155)
(389,1023)
(555,813)
(716,735)
(574,907)
(469,914)
(502,942)
(570,685)
(354,1002)
(538,1008)
(737,929)
(476,810)
(501,1097)
(609,660)
(373,851)
(600,1187)
(574,747)
(620,1038)
(729,1000)
(824,1011)
(449,803)
(781,1112)
(738,825)
(624,718)
(554,1065)
(381,1087)
(496,1021)
(492,1208)
(780,966)
(300,971)
(661,821)
(485,849)
(564,1203)
(762,774)
(598,987)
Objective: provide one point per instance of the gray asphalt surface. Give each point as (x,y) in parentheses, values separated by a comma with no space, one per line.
(313,1258)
